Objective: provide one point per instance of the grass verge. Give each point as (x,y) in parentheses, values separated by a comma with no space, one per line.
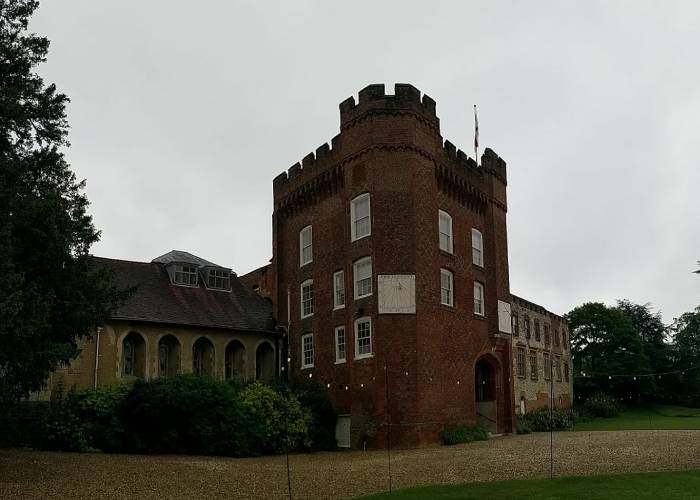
(652,417)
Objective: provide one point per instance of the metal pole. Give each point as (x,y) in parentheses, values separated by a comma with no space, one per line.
(97,352)
(388,422)
(551,413)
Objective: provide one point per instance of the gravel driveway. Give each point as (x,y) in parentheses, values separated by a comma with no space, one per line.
(32,474)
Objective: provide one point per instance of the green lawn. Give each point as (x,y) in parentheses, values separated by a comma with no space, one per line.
(644,418)
(657,485)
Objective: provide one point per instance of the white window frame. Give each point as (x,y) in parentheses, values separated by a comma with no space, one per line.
(521,362)
(353,223)
(534,370)
(355,281)
(305,284)
(185,273)
(304,338)
(303,247)
(449,234)
(479,299)
(338,358)
(337,304)
(219,279)
(446,273)
(477,248)
(358,355)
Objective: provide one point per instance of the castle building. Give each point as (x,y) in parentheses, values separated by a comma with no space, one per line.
(388,285)
(390,273)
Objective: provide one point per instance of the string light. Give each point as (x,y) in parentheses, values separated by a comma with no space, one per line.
(311,375)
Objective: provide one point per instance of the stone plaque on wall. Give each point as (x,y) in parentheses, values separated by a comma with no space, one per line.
(504,318)
(397,293)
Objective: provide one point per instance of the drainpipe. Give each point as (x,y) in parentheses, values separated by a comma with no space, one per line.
(97,352)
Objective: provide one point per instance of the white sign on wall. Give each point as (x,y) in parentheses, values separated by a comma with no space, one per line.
(504,321)
(397,293)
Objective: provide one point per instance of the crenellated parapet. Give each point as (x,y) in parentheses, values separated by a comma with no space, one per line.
(372,99)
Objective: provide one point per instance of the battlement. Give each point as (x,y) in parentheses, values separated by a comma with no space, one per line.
(324,155)
(490,162)
(373,98)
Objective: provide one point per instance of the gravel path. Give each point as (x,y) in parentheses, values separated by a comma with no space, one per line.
(32,474)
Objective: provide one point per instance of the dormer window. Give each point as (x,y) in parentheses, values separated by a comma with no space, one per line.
(218,278)
(185,275)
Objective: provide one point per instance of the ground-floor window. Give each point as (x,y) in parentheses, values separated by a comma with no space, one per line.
(520,359)
(307,350)
(533,364)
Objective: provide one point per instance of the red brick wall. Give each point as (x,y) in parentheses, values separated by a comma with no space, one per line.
(391,147)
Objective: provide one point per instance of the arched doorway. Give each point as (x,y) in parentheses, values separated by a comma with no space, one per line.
(134,356)
(235,361)
(485,395)
(168,356)
(265,362)
(203,357)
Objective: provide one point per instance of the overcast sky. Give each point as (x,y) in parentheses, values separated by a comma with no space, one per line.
(183,112)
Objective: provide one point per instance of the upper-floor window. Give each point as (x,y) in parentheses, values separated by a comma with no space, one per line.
(520,361)
(533,364)
(557,367)
(556,338)
(477,248)
(307,298)
(218,278)
(361,224)
(515,324)
(537,330)
(306,254)
(445,228)
(185,275)
(307,350)
(479,298)
(547,338)
(566,372)
(338,289)
(547,365)
(363,277)
(564,341)
(526,326)
(446,288)
(363,338)
(340,346)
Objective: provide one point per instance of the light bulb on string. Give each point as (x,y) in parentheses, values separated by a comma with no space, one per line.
(311,375)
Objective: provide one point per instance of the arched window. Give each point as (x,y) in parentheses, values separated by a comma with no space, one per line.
(134,356)
(265,362)
(168,356)
(235,361)
(203,357)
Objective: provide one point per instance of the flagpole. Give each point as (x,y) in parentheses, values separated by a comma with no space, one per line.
(476,137)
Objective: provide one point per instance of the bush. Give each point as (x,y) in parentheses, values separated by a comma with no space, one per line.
(314,398)
(85,420)
(540,419)
(463,434)
(276,421)
(522,426)
(186,414)
(601,406)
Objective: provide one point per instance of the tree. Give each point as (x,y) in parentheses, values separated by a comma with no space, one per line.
(652,333)
(50,293)
(607,353)
(687,356)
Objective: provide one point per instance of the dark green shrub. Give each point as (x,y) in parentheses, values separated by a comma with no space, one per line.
(540,420)
(463,434)
(276,421)
(601,406)
(84,420)
(186,414)
(522,426)
(314,398)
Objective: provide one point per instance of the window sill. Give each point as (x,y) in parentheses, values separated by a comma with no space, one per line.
(363,296)
(364,356)
(338,308)
(479,267)
(446,307)
(308,316)
(353,240)
(447,254)
(305,264)
(481,317)
(341,362)
(306,367)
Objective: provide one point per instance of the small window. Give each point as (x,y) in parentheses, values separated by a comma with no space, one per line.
(478,298)
(446,290)
(527,326)
(338,290)
(218,278)
(363,338)
(185,275)
(515,324)
(307,350)
(445,228)
(557,368)
(477,248)
(521,361)
(547,366)
(305,246)
(340,350)
(547,338)
(564,340)
(533,364)
(363,277)
(307,298)
(556,338)
(537,330)
(361,224)
(566,372)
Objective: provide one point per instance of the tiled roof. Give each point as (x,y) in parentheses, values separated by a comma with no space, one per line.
(157,300)
(181,257)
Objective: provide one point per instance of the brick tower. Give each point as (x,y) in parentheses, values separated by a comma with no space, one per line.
(390,269)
